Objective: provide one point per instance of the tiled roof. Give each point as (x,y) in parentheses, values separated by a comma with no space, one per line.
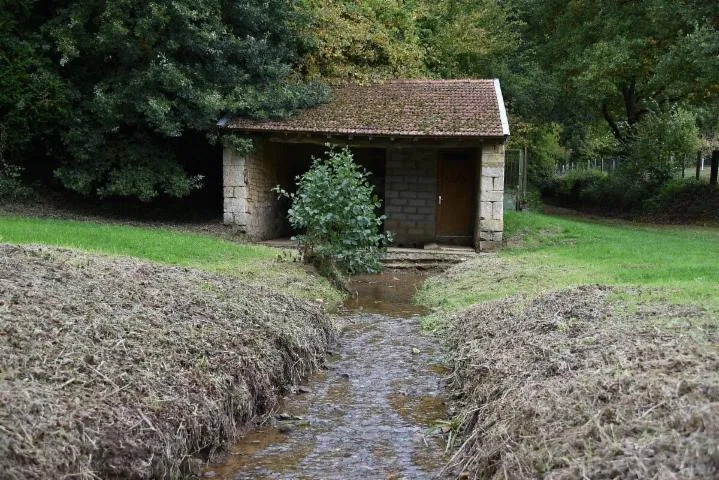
(433,108)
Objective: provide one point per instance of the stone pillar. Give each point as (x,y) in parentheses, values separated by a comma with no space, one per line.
(490,198)
(249,202)
(234,186)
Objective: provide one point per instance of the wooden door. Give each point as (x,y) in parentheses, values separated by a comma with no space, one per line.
(455,197)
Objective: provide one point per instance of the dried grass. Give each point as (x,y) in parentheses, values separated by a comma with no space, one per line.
(114,368)
(561,388)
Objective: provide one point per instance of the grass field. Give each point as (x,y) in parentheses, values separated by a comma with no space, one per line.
(250,263)
(674,265)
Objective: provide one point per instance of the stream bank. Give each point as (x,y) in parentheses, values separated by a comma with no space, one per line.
(372,412)
(117,368)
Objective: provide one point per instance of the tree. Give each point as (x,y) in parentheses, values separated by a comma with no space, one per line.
(467,38)
(350,41)
(34,99)
(141,78)
(659,141)
(616,60)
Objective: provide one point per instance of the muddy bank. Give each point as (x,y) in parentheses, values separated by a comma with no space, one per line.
(115,368)
(562,387)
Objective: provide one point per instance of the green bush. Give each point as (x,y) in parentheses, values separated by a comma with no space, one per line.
(12,186)
(621,195)
(661,138)
(684,198)
(675,200)
(596,189)
(581,185)
(334,208)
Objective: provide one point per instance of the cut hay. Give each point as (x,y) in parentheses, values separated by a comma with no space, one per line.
(115,368)
(562,388)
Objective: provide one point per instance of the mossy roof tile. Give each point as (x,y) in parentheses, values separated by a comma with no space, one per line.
(436,108)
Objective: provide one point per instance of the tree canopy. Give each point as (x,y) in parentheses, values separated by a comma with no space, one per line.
(622,60)
(105,96)
(125,79)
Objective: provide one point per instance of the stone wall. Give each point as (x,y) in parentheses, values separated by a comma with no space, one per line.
(411,195)
(249,201)
(490,221)
(234,186)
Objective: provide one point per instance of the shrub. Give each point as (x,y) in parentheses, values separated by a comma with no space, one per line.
(686,199)
(661,139)
(534,199)
(621,194)
(593,188)
(11,185)
(334,208)
(545,153)
(581,185)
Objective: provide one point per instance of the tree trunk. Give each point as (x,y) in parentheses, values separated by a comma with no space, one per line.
(715,168)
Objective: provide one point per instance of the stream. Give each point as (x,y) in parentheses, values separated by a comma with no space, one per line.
(372,413)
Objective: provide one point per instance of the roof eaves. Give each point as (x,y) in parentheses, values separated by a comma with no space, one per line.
(362,133)
(502,109)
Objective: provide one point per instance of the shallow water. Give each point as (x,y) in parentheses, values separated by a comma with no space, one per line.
(372,413)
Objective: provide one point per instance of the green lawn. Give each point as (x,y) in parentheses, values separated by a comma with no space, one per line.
(677,265)
(251,263)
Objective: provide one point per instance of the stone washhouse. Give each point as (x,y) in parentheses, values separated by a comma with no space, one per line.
(435,149)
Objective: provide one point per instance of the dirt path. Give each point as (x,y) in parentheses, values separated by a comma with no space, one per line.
(370,414)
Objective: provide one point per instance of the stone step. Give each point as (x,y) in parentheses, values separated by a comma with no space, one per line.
(436,257)
(415,266)
(425,259)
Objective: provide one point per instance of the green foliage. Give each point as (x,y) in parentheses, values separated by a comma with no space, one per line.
(661,143)
(593,143)
(126,169)
(240,143)
(616,59)
(607,65)
(678,199)
(34,100)
(467,38)
(544,150)
(113,86)
(688,199)
(581,186)
(652,156)
(107,93)
(167,68)
(349,41)
(378,39)
(12,186)
(334,208)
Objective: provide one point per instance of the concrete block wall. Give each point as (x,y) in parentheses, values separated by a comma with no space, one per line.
(411,195)
(490,221)
(249,201)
